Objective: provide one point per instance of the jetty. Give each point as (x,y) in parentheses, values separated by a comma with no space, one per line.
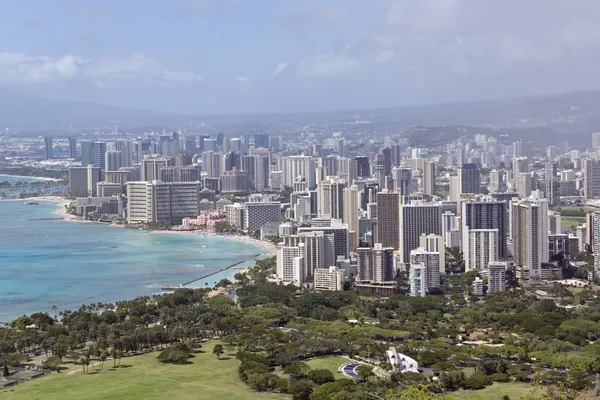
(183,285)
(45,219)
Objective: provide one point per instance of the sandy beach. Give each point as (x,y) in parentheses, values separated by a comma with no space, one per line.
(61,202)
(41,178)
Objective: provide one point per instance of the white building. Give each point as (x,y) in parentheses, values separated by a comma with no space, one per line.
(290,265)
(401,362)
(331,278)
(436,244)
(152,202)
(497,276)
(418,280)
(330,198)
(530,234)
(480,247)
(431,262)
(478,287)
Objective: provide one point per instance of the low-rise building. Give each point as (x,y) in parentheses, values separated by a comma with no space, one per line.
(331,278)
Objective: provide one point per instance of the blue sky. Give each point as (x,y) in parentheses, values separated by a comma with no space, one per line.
(284,55)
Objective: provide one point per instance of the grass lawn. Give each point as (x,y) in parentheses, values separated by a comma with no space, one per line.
(572,222)
(331,363)
(514,390)
(143,377)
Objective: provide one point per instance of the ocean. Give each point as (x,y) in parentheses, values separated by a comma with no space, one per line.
(9,178)
(67,264)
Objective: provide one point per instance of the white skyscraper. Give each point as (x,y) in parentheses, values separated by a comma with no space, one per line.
(480,247)
(435,244)
(418,280)
(431,262)
(330,198)
(595,217)
(496,277)
(288,270)
(351,209)
(530,234)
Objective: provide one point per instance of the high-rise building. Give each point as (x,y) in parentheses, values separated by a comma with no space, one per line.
(497,181)
(298,166)
(235,182)
(596,141)
(469,179)
(431,262)
(83,181)
(418,280)
(98,152)
(151,166)
(261,140)
(388,217)
(260,213)
(331,278)
(290,265)
(351,210)
(595,227)
(403,180)
(523,184)
(112,160)
(497,276)
(487,212)
(337,236)
(363,167)
(375,264)
(153,202)
(330,198)
(530,234)
(72,147)
(480,247)
(554,222)
(125,146)
(435,244)
(275,143)
(429,175)
(591,179)
(521,148)
(417,218)
(48,150)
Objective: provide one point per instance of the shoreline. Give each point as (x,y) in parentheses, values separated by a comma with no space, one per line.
(61,202)
(40,178)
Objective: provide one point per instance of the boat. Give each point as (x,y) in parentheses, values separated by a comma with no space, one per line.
(114,246)
(32,203)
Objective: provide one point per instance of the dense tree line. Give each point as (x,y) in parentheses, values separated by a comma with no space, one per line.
(273,327)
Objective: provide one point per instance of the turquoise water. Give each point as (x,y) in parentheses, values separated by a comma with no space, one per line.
(18,179)
(67,264)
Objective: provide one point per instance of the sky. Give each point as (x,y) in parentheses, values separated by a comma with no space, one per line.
(231,56)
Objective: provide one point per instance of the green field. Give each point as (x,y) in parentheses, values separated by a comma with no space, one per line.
(513,390)
(143,377)
(331,363)
(572,222)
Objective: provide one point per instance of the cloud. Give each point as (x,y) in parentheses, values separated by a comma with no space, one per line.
(86,10)
(21,69)
(282,66)
(328,64)
(243,79)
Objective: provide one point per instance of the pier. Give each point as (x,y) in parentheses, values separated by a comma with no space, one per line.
(183,285)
